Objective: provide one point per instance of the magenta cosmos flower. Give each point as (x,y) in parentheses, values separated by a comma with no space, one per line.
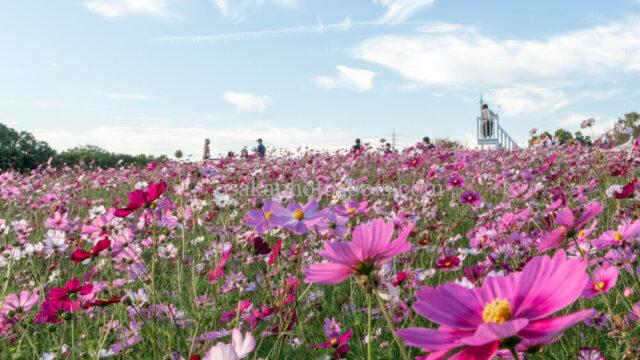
(370,247)
(142,198)
(471,198)
(298,218)
(511,309)
(569,225)
(604,279)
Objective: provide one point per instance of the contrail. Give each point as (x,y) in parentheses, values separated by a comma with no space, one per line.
(319,28)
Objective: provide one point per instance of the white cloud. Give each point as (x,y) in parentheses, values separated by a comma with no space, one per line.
(159,140)
(239,9)
(457,55)
(246,101)
(347,78)
(127,96)
(287,4)
(401,10)
(121,8)
(528,100)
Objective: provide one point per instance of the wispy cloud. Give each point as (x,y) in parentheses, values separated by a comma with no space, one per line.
(347,78)
(113,9)
(457,55)
(319,28)
(127,96)
(528,100)
(401,10)
(239,9)
(246,102)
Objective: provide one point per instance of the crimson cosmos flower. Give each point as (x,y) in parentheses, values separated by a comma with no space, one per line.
(142,198)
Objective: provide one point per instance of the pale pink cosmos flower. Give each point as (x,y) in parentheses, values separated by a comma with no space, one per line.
(239,348)
(370,247)
(18,303)
(476,323)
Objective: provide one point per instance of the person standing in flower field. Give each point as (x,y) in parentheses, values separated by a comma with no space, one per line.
(206,151)
(487,122)
(261,149)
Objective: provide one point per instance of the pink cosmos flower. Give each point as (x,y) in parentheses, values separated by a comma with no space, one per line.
(298,218)
(603,280)
(58,221)
(260,217)
(569,225)
(626,231)
(142,198)
(18,303)
(370,247)
(352,208)
(513,308)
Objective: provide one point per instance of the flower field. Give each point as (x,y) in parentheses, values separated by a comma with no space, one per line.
(427,253)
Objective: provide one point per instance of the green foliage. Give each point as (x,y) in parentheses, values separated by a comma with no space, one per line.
(582,139)
(448,143)
(630,122)
(21,150)
(563,136)
(95,156)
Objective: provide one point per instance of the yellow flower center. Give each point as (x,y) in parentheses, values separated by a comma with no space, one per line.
(581,234)
(298,214)
(469,197)
(447,263)
(498,311)
(334,341)
(351,210)
(268,215)
(599,285)
(617,236)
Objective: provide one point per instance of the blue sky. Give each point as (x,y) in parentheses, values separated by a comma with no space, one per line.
(157,75)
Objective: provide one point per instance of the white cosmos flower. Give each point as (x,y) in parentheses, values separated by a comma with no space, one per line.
(239,348)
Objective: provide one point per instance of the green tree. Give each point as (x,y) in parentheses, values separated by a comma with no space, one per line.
(94,156)
(630,123)
(21,150)
(563,136)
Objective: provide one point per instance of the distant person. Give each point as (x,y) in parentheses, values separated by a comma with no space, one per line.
(388,149)
(356,147)
(261,149)
(244,153)
(487,122)
(427,143)
(206,152)
(231,155)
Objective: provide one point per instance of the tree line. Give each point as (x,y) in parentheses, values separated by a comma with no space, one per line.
(21,151)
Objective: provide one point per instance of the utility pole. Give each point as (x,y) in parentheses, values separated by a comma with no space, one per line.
(393,139)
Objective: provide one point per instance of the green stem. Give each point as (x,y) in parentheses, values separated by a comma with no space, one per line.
(391,327)
(369,327)
(514,352)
